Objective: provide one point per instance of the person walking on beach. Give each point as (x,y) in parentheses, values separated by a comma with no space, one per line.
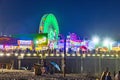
(108,76)
(117,76)
(103,76)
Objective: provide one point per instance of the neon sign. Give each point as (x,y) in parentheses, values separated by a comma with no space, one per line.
(40,41)
(24,42)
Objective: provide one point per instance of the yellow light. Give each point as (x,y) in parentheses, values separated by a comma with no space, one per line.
(67,54)
(7,54)
(29,54)
(22,54)
(46,54)
(78,54)
(98,54)
(88,55)
(57,54)
(103,55)
(112,55)
(1,54)
(117,55)
(84,55)
(51,54)
(34,54)
(40,54)
(16,54)
(93,54)
(62,55)
(73,54)
(107,55)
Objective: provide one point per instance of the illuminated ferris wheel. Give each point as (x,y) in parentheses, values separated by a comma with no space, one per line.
(49,25)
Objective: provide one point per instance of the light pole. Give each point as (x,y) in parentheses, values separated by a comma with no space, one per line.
(64,56)
(64,59)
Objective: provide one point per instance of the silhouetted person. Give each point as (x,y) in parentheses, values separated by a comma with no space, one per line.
(103,76)
(117,76)
(108,76)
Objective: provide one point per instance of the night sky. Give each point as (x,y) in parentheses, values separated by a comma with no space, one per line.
(84,17)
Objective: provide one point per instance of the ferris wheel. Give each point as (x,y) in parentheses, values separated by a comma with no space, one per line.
(49,24)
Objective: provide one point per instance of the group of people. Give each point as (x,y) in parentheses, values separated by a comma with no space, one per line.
(106,75)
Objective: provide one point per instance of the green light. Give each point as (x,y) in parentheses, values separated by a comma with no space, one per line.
(36,42)
(98,54)
(49,25)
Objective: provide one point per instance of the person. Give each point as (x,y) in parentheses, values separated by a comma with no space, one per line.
(103,76)
(114,73)
(108,76)
(117,76)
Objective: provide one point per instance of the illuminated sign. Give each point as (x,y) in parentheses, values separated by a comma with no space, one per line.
(8,40)
(40,41)
(73,43)
(24,42)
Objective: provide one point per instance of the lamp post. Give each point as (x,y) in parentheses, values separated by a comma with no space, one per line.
(64,59)
(64,56)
